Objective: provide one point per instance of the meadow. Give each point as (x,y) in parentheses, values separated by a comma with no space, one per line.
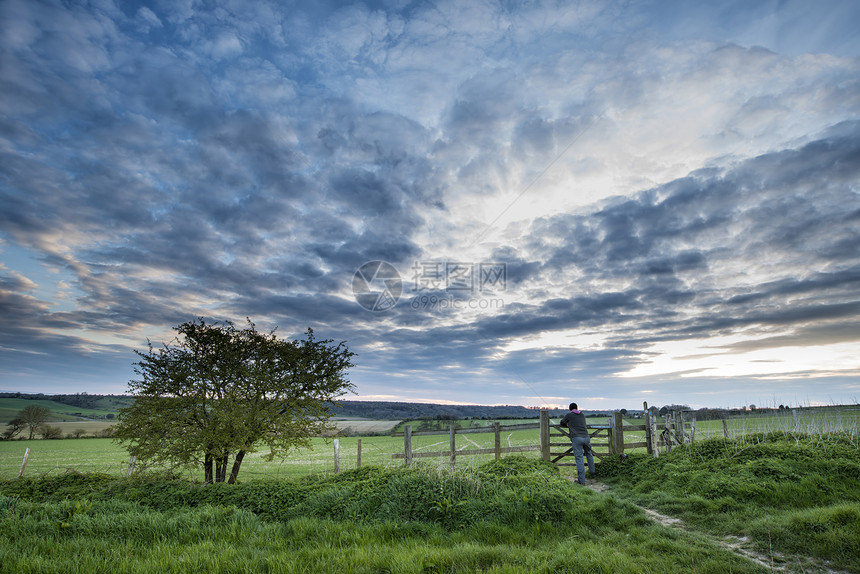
(99,408)
(102,455)
(513,515)
(777,500)
(50,457)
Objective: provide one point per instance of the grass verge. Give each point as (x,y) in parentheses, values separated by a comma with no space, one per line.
(512,515)
(790,493)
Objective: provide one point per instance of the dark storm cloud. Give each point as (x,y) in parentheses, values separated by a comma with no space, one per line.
(237,207)
(772,241)
(175,160)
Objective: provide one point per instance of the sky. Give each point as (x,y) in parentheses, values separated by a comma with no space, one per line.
(524,203)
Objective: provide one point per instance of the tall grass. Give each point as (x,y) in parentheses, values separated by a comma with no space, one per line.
(789,492)
(820,422)
(516,515)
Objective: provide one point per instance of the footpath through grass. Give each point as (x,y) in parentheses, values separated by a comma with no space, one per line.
(512,515)
(794,494)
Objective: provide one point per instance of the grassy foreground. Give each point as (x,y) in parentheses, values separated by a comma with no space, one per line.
(512,515)
(796,495)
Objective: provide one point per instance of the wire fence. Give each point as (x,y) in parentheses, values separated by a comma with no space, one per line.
(99,455)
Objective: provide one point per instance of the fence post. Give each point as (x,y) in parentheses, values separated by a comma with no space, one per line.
(647,414)
(649,448)
(130,470)
(725,428)
(652,430)
(668,432)
(24,463)
(407,444)
(616,433)
(453,444)
(497,429)
(796,420)
(611,434)
(336,456)
(544,435)
(693,429)
(358,456)
(678,422)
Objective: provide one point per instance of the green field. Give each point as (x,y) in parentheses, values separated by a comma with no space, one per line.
(9,408)
(777,500)
(760,503)
(104,406)
(103,455)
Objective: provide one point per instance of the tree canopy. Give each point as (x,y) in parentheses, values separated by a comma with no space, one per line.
(33,417)
(217,392)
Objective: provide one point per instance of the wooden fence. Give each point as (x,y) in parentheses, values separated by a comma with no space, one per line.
(606,439)
(612,437)
(452,453)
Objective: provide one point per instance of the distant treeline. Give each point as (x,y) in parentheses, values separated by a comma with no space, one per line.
(384,410)
(79,400)
(390,410)
(377,410)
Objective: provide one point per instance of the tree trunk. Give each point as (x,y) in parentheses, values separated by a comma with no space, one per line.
(207,469)
(221,468)
(218,463)
(236,464)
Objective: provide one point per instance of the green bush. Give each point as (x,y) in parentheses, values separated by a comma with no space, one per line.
(511,491)
(507,516)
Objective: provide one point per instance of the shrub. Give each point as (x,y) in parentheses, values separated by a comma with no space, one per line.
(51,432)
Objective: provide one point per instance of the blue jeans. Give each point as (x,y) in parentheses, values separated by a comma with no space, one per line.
(582,444)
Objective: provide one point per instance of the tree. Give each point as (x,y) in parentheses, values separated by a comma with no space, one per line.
(217,391)
(13,427)
(33,417)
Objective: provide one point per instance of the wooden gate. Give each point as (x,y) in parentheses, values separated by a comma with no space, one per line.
(600,442)
(609,439)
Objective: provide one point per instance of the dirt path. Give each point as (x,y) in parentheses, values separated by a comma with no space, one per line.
(740,546)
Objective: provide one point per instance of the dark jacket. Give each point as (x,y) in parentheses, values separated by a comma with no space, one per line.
(575,423)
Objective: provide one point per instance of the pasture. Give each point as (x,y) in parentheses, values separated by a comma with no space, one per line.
(777,500)
(102,455)
(103,407)
(762,503)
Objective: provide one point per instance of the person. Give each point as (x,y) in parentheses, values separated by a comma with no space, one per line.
(579,440)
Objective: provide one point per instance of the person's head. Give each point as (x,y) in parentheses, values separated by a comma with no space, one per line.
(572,406)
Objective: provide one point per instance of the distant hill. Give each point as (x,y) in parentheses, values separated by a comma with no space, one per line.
(389,410)
(84,406)
(64,407)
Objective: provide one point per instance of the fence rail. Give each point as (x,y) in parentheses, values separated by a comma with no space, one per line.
(655,434)
(607,439)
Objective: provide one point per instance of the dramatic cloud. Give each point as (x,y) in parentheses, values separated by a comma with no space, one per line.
(616,203)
